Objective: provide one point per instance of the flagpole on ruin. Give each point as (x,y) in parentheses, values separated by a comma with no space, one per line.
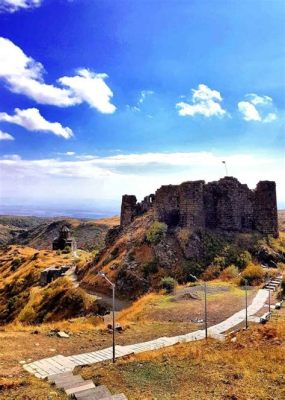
(226,168)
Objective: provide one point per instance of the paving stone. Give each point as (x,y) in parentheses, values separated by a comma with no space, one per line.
(70,383)
(93,394)
(120,396)
(80,387)
(55,377)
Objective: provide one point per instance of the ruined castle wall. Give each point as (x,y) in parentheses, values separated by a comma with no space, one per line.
(191,204)
(265,208)
(166,205)
(128,209)
(145,204)
(226,204)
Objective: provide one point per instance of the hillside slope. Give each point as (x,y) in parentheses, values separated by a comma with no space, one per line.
(21,297)
(140,255)
(40,232)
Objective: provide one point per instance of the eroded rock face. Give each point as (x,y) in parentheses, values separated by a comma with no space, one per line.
(225,204)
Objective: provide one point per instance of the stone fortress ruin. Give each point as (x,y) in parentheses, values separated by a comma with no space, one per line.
(225,204)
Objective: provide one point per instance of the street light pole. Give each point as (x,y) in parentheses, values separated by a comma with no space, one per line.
(206,311)
(113,311)
(246,320)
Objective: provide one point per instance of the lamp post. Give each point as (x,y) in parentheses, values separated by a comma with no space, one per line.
(113,311)
(246,320)
(246,300)
(205,305)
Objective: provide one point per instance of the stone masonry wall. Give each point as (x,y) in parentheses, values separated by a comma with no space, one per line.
(225,204)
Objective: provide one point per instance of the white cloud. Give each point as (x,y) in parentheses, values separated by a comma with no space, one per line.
(15,5)
(257,108)
(5,136)
(249,111)
(205,101)
(24,75)
(96,178)
(32,120)
(70,153)
(91,88)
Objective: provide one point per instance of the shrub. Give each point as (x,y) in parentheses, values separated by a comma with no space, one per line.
(191,268)
(15,264)
(156,232)
(230,272)
(150,268)
(219,262)
(168,284)
(243,259)
(212,272)
(253,273)
(66,250)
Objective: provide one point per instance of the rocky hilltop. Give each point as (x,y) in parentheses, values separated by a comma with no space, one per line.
(185,229)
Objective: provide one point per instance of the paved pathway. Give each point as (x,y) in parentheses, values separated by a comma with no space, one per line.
(59,364)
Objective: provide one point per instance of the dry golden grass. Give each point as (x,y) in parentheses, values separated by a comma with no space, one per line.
(110,221)
(252,368)
(21,299)
(28,388)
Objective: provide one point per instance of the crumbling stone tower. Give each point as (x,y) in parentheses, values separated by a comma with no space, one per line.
(225,204)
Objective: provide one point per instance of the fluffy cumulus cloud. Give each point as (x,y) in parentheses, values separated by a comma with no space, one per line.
(91,88)
(32,120)
(5,136)
(257,108)
(23,75)
(96,178)
(15,5)
(205,102)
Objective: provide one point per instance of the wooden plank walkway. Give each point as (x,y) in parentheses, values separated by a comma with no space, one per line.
(60,364)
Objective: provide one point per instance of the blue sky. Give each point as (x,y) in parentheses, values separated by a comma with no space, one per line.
(101,98)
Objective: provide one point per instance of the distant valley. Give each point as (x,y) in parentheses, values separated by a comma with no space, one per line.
(39,232)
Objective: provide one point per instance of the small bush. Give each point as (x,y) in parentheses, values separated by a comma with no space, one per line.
(243,259)
(150,268)
(229,273)
(253,273)
(168,284)
(212,272)
(66,250)
(15,264)
(219,262)
(156,232)
(191,268)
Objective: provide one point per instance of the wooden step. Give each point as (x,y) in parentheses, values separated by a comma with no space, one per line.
(96,393)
